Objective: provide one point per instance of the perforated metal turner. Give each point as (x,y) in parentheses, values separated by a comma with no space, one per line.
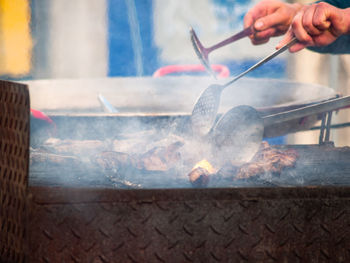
(203,52)
(205,109)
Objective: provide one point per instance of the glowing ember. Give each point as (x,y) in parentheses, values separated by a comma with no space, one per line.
(199,176)
(205,165)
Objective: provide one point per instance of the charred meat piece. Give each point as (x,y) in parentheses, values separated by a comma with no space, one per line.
(160,158)
(120,165)
(267,160)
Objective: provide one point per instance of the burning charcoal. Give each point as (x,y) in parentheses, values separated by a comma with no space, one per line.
(267,160)
(199,177)
(160,158)
(200,174)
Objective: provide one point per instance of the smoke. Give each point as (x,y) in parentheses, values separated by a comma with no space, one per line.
(153,113)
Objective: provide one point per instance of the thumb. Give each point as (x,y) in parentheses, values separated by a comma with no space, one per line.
(248,20)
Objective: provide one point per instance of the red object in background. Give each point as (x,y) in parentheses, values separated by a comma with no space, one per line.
(223,71)
(41,116)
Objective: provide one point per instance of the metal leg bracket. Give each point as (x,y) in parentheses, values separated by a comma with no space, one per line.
(325,129)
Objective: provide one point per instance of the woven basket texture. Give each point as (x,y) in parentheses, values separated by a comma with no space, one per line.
(14,161)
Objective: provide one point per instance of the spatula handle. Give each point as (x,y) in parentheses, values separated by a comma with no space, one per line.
(263,61)
(244,33)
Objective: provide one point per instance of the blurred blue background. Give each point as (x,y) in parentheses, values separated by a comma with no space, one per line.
(133,52)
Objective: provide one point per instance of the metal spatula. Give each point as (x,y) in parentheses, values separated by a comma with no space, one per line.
(205,109)
(203,52)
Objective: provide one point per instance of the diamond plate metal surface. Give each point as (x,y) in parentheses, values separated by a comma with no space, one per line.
(236,225)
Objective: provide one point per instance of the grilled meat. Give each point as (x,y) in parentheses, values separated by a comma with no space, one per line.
(267,160)
(157,159)
(160,158)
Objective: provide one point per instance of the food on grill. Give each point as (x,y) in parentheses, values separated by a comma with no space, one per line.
(158,155)
(157,159)
(161,158)
(267,160)
(165,154)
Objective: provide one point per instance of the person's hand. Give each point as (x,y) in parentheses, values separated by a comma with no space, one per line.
(270,18)
(317,25)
